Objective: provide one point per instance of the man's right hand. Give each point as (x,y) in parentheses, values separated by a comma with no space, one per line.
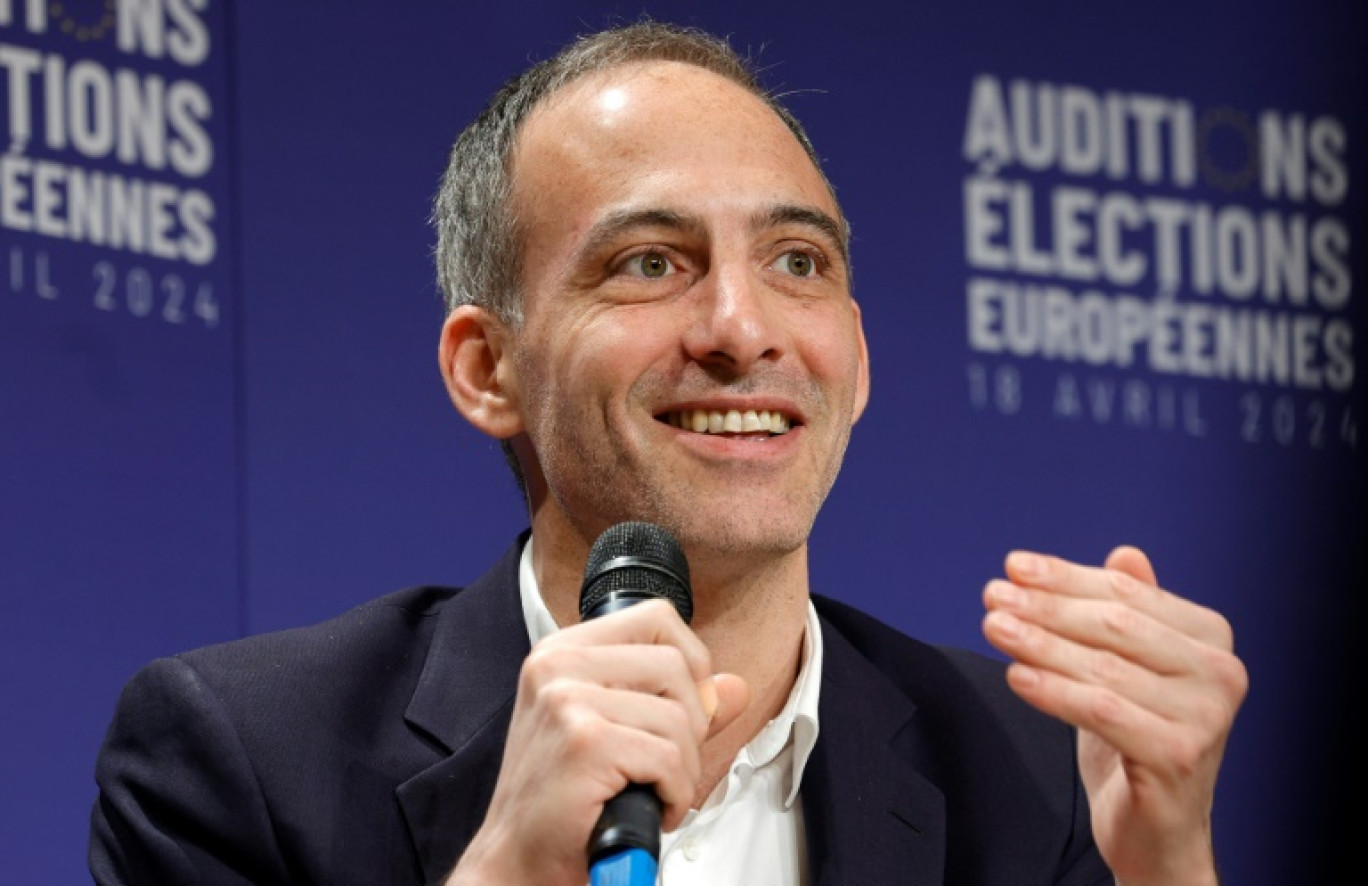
(629,697)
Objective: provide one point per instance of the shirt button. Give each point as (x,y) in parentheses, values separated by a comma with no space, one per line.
(691,851)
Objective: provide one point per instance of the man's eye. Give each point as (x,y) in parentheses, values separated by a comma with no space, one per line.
(799,264)
(650,264)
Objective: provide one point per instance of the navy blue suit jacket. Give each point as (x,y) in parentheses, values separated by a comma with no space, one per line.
(364,750)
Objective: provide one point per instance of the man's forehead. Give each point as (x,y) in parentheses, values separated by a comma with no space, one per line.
(658,136)
(618,99)
(660,109)
(613,81)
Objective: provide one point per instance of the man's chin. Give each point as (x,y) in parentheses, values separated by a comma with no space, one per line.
(710,518)
(741,533)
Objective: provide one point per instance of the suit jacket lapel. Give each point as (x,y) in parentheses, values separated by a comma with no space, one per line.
(871,818)
(462,704)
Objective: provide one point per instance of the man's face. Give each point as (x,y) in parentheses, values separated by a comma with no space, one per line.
(690,353)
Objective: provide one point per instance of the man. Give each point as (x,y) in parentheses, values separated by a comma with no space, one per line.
(648,283)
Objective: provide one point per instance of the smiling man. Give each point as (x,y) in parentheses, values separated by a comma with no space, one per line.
(649,302)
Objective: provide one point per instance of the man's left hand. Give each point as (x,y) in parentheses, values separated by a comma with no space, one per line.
(1152,683)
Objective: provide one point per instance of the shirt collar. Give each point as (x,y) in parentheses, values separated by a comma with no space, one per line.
(796,724)
(540,624)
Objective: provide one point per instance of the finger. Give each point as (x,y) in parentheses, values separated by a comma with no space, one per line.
(643,670)
(1059,576)
(1128,727)
(662,718)
(605,738)
(1134,563)
(1045,653)
(651,622)
(1140,735)
(1207,687)
(627,755)
(1101,628)
(575,710)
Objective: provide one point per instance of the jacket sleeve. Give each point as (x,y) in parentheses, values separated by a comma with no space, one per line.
(178,800)
(1081,863)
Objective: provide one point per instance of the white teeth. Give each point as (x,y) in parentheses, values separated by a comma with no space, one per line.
(733,421)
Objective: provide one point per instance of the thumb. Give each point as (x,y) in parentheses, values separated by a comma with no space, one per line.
(1134,563)
(733,694)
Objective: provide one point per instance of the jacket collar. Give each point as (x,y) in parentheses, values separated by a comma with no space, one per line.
(870,816)
(462,704)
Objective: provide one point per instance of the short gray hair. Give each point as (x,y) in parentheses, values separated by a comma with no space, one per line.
(479,250)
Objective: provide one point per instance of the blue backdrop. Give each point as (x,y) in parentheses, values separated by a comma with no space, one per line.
(1105,253)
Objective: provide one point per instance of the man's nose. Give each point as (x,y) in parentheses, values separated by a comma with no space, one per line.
(734,322)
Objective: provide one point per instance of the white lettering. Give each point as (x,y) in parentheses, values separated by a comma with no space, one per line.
(90,95)
(187,109)
(1282,150)
(188,40)
(1329,174)
(20,64)
(35,17)
(982,224)
(1332,283)
(151,218)
(1071,235)
(986,139)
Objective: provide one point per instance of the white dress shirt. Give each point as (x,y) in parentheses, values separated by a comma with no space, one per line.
(750,829)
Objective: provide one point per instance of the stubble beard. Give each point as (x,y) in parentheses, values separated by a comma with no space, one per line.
(595,487)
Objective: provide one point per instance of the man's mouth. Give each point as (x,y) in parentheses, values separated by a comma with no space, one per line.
(732,421)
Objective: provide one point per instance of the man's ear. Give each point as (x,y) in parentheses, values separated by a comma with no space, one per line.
(477,365)
(862,382)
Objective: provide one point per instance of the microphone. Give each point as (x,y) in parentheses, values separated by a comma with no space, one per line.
(629,563)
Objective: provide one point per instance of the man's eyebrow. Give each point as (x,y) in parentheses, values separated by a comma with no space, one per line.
(788,214)
(615,223)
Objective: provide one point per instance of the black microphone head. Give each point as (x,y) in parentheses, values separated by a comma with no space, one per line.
(636,560)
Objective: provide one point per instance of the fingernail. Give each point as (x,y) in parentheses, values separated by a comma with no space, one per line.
(707,696)
(1007,625)
(1005,593)
(1026,564)
(1023,675)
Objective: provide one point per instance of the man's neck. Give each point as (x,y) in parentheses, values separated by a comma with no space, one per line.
(755,630)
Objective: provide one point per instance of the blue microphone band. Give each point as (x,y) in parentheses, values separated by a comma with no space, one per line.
(630,867)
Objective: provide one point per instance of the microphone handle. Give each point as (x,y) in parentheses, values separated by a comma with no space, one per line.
(630,867)
(625,843)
